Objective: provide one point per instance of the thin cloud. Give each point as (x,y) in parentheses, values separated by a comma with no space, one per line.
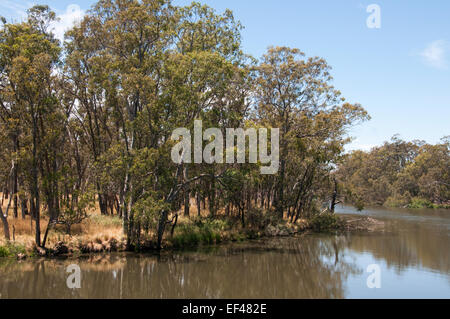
(356,146)
(435,54)
(14,9)
(66,20)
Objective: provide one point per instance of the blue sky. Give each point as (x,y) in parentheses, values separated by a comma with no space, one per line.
(400,72)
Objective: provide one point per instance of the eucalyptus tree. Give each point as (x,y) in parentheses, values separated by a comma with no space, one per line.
(205,78)
(100,119)
(29,56)
(210,81)
(138,70)
(397,173)
(295,94)
(115,57)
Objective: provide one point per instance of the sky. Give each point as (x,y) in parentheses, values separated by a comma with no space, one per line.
(399,72)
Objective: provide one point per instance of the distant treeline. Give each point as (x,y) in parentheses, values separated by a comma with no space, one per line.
(89,121)
(398,174)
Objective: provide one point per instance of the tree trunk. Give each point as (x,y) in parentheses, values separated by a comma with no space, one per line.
(212,199)
(174,225)
(161,227)
(35,203)
(15,178)
(16,204)
(280,191)
(37,221)
(186,194)
(199,210)
(50,223)
(5,224)
(102,203)
(24,207)
(335,194)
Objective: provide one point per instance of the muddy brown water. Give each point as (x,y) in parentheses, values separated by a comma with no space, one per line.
(411,253)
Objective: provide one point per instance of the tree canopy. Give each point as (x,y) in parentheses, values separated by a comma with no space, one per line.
(88,122)
(399,174)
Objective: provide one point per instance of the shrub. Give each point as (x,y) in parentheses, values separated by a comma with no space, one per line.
(397,201)
(417,203)
(260,220)
(11,249)
(199,232)
(324,222)
(4,252)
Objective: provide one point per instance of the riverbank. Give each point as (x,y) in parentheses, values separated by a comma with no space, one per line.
(409,249)
(190,233)
(95,230)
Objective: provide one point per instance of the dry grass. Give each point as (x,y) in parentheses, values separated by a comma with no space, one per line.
(96,228)
(21,231)
(99,228)
(95,232)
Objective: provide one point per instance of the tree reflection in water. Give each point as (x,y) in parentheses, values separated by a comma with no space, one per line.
(279,268)
(310,266)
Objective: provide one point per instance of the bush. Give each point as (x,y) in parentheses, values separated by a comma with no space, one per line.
(397,201)
(417,203)
(325,222)
(258,219)
(11,249)
(4,252)
(199,232)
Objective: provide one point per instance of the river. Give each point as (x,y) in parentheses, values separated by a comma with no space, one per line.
(411,254)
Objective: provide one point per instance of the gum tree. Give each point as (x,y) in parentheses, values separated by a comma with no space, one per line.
(29,55)
(295,94)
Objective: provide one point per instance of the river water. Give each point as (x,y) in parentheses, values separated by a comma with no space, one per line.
(411,254)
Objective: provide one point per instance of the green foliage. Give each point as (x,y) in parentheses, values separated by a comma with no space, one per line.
(131,73)
(146,211)
(398,174)
(4,251)
(398,200)
(74,210)
(421,203)
(259,219)
(325,222)
(206,232)
(11,249)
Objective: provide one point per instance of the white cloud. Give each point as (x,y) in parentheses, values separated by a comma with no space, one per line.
(357,145)
(435,54)
(14,9)
(66,20)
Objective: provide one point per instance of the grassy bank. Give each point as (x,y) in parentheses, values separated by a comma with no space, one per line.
(97,234)
(103,234)
(12,249)
(420,203)
(410,203)
(414,203)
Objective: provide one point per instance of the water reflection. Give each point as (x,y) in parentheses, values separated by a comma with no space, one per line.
(288,268)
(310,266)
(410,239)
